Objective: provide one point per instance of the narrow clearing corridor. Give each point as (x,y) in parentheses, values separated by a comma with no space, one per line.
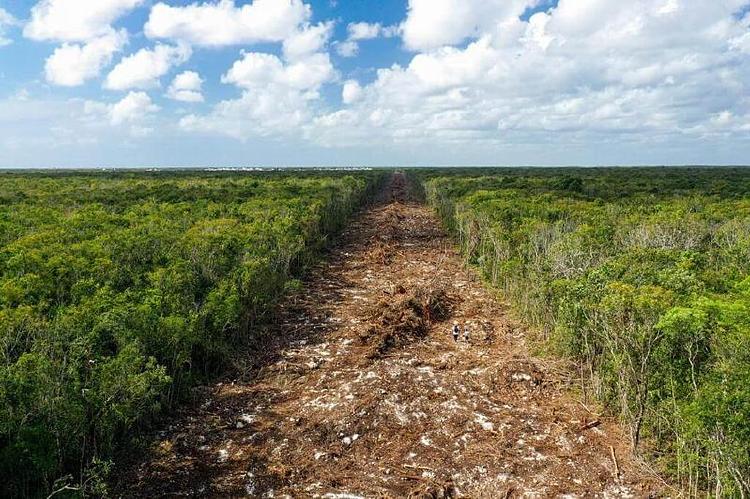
(363,392)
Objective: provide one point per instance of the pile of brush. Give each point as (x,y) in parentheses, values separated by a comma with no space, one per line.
(404,317)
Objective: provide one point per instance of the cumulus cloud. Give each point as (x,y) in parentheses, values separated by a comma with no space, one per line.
(186,87)
(144,68)
(72,64)
(133,111)
(67,131)
(434,23)
(351,92)
(278,95)
(85,27)
(347,48)
(132,108)
(258,70)
(307,40)
(482,74)
(75,20)
(222,23)
(649,71)
(275,111)
(6,21)
(363,31)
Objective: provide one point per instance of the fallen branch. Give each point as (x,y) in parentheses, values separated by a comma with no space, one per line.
(590,425)
(614,460)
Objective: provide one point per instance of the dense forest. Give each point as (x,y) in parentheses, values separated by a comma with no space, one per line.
(118,291)
(641,277)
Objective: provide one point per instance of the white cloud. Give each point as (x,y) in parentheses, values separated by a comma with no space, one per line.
(307,41)
(257,70)
(347,48)
(588,70)
(75,20)
(363,31)
(536,31)
(435,23)
(85,27)
(482,83)
(186,87)
(144,68)
(741,43)
(351,92)
(272,111)
(647,72)
(223,23)
(278,96)
(134,111)
(134,107)
(6,21)
(72,64)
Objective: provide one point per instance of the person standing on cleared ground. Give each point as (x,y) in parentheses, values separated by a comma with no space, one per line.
(456,331)
(466,333)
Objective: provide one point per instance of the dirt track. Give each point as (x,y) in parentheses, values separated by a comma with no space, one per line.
(342,408)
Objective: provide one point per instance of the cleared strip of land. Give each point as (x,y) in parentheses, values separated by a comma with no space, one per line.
(361,391)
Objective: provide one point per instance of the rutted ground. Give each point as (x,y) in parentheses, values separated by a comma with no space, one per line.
(363,393)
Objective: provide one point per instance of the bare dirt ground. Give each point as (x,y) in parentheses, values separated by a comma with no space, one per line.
(362,392)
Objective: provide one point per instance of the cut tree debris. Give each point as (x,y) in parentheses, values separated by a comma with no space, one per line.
(361,391)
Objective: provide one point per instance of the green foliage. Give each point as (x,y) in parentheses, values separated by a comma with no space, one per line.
(639,275)
(120,290)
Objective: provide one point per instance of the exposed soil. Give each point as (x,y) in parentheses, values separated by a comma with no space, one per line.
(362,392)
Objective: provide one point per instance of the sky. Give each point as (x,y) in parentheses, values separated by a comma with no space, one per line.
(159,83)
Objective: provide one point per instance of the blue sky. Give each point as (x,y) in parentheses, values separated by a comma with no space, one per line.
(22,64)
(387,82)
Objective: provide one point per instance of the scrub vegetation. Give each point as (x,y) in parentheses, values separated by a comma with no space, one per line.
(640,276)
(363,392)
(118,291)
